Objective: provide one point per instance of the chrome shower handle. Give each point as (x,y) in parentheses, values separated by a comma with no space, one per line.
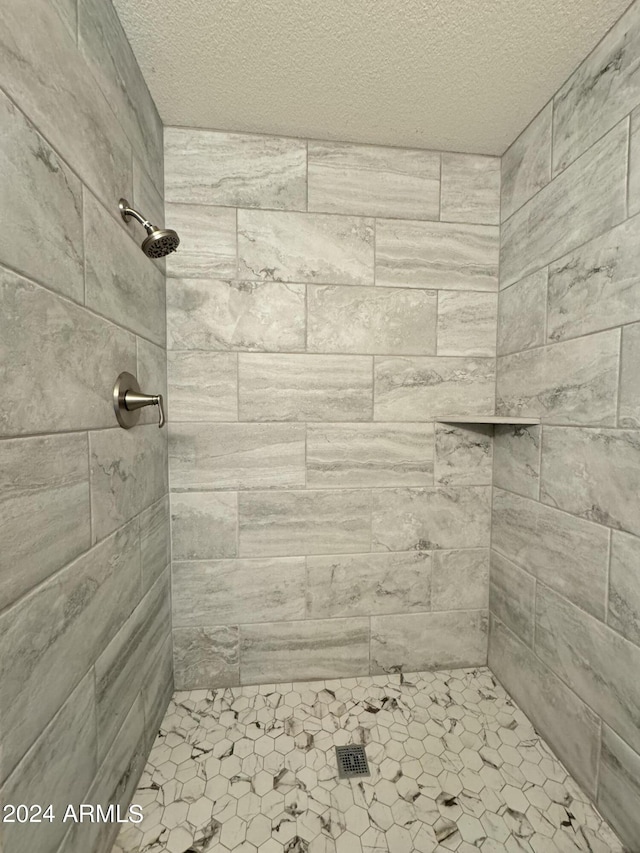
(135,400)
(128,400)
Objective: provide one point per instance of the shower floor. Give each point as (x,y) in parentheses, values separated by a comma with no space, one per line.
(455,765)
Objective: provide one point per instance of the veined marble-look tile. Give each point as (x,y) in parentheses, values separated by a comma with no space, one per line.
(207,241)
(368,584)
(380,320)
(155,541)
(429,519)
(522,310)
(304,522)
(45,200)
(69,14)
(106,49)
(373,180)
(58,770)
(598,285)
(203,386)
(158,688)
(629,411)
(516,459)
(128,473)
(152,376)
(619,786)
(460,579)
(282,387)
(50,638)
(526,164)
(44,484)
(424,641)
(237,456)
(421,388)
(305,247)
(585,200)
(120,281)
(347,455)
(238,315)
(624,590)
(570,726)
(602,90)
(309,650)
(470,189)
(235,169)
(573,382)
(513,597)
(438,255)
(463,455)
(566,553)
(227,592)
(59,362)
(206,657)
(634,164)
(42,70)
(593,473)
(592,659)
(146,196)
(203,525)
(467,323)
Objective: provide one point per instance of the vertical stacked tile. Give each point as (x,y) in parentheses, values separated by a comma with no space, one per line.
(329,303)
(85,641)
(565,580)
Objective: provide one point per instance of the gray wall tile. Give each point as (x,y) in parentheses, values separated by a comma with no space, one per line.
(368,584)
(280,387)
(205,656)
(305,247)
(203,386)
(348,455)
(158,688)
(618,786)
(516,459)
(624,590)
(522,310)
(460,579)
(203,525)
(470,189)
(237,169)
(155,541)
(526,164)
(634,163)
(208,241)
(381,320)
(463,455)
(152,376)
(513,597)
(438,255)
(467,323)
(146,197)
(629,412)
(67,9)
(310,650)
(374,181)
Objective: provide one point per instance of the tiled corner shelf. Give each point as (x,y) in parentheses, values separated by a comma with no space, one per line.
(486,419)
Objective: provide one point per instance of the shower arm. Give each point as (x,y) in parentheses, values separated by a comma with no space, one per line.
(128,212)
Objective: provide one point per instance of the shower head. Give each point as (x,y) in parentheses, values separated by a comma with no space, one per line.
(159,241)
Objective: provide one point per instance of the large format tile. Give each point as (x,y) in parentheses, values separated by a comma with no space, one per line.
(155,541)
(522,310)
(209,314)
(573,382)
(236,169)
(570,726)
(439,255)
(526,164)
(59,362)
(470,189)
(305,247)
(205,656)
(368,584)
(568,554)
(629,411)
(381,320)
(203,386)
(513,597)
(45,201)
(121,282)
(619,786)
(348,455)
(237,456)
(425,519)
(598,285)
(634,163)
(303,650)
(304,522)
(146,196)
(50,639)
(582,202)
(44,484)
(593,473)
(418,641)
(281,387)
(624,589)
(227,592)
(208,241)
(460,579)
(467,323)
(374,181)
(463,455)
(516,459)
(203,525)
(152,376)
(421,388)
(594,661)
(157,687)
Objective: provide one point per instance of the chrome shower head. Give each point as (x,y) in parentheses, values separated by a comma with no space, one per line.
(159,241)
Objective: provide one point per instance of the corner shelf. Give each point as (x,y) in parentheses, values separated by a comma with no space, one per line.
(486,419)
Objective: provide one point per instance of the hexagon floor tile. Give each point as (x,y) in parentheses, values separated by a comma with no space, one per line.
(455,766)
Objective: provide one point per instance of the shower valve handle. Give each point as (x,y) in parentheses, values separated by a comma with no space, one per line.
(135,400)
(128,400)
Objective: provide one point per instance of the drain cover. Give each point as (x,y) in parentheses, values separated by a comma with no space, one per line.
(352,761)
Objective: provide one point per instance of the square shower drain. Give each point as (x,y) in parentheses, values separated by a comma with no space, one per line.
(352,761)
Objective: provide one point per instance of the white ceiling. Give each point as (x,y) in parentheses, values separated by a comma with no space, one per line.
(461,75)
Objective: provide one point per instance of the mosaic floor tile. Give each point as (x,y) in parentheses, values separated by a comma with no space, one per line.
(455,766)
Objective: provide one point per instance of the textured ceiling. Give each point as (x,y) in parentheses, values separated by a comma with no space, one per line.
(462,75)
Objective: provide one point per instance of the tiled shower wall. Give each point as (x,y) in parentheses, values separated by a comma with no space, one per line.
(85,647)
(565,569)
(328,304)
